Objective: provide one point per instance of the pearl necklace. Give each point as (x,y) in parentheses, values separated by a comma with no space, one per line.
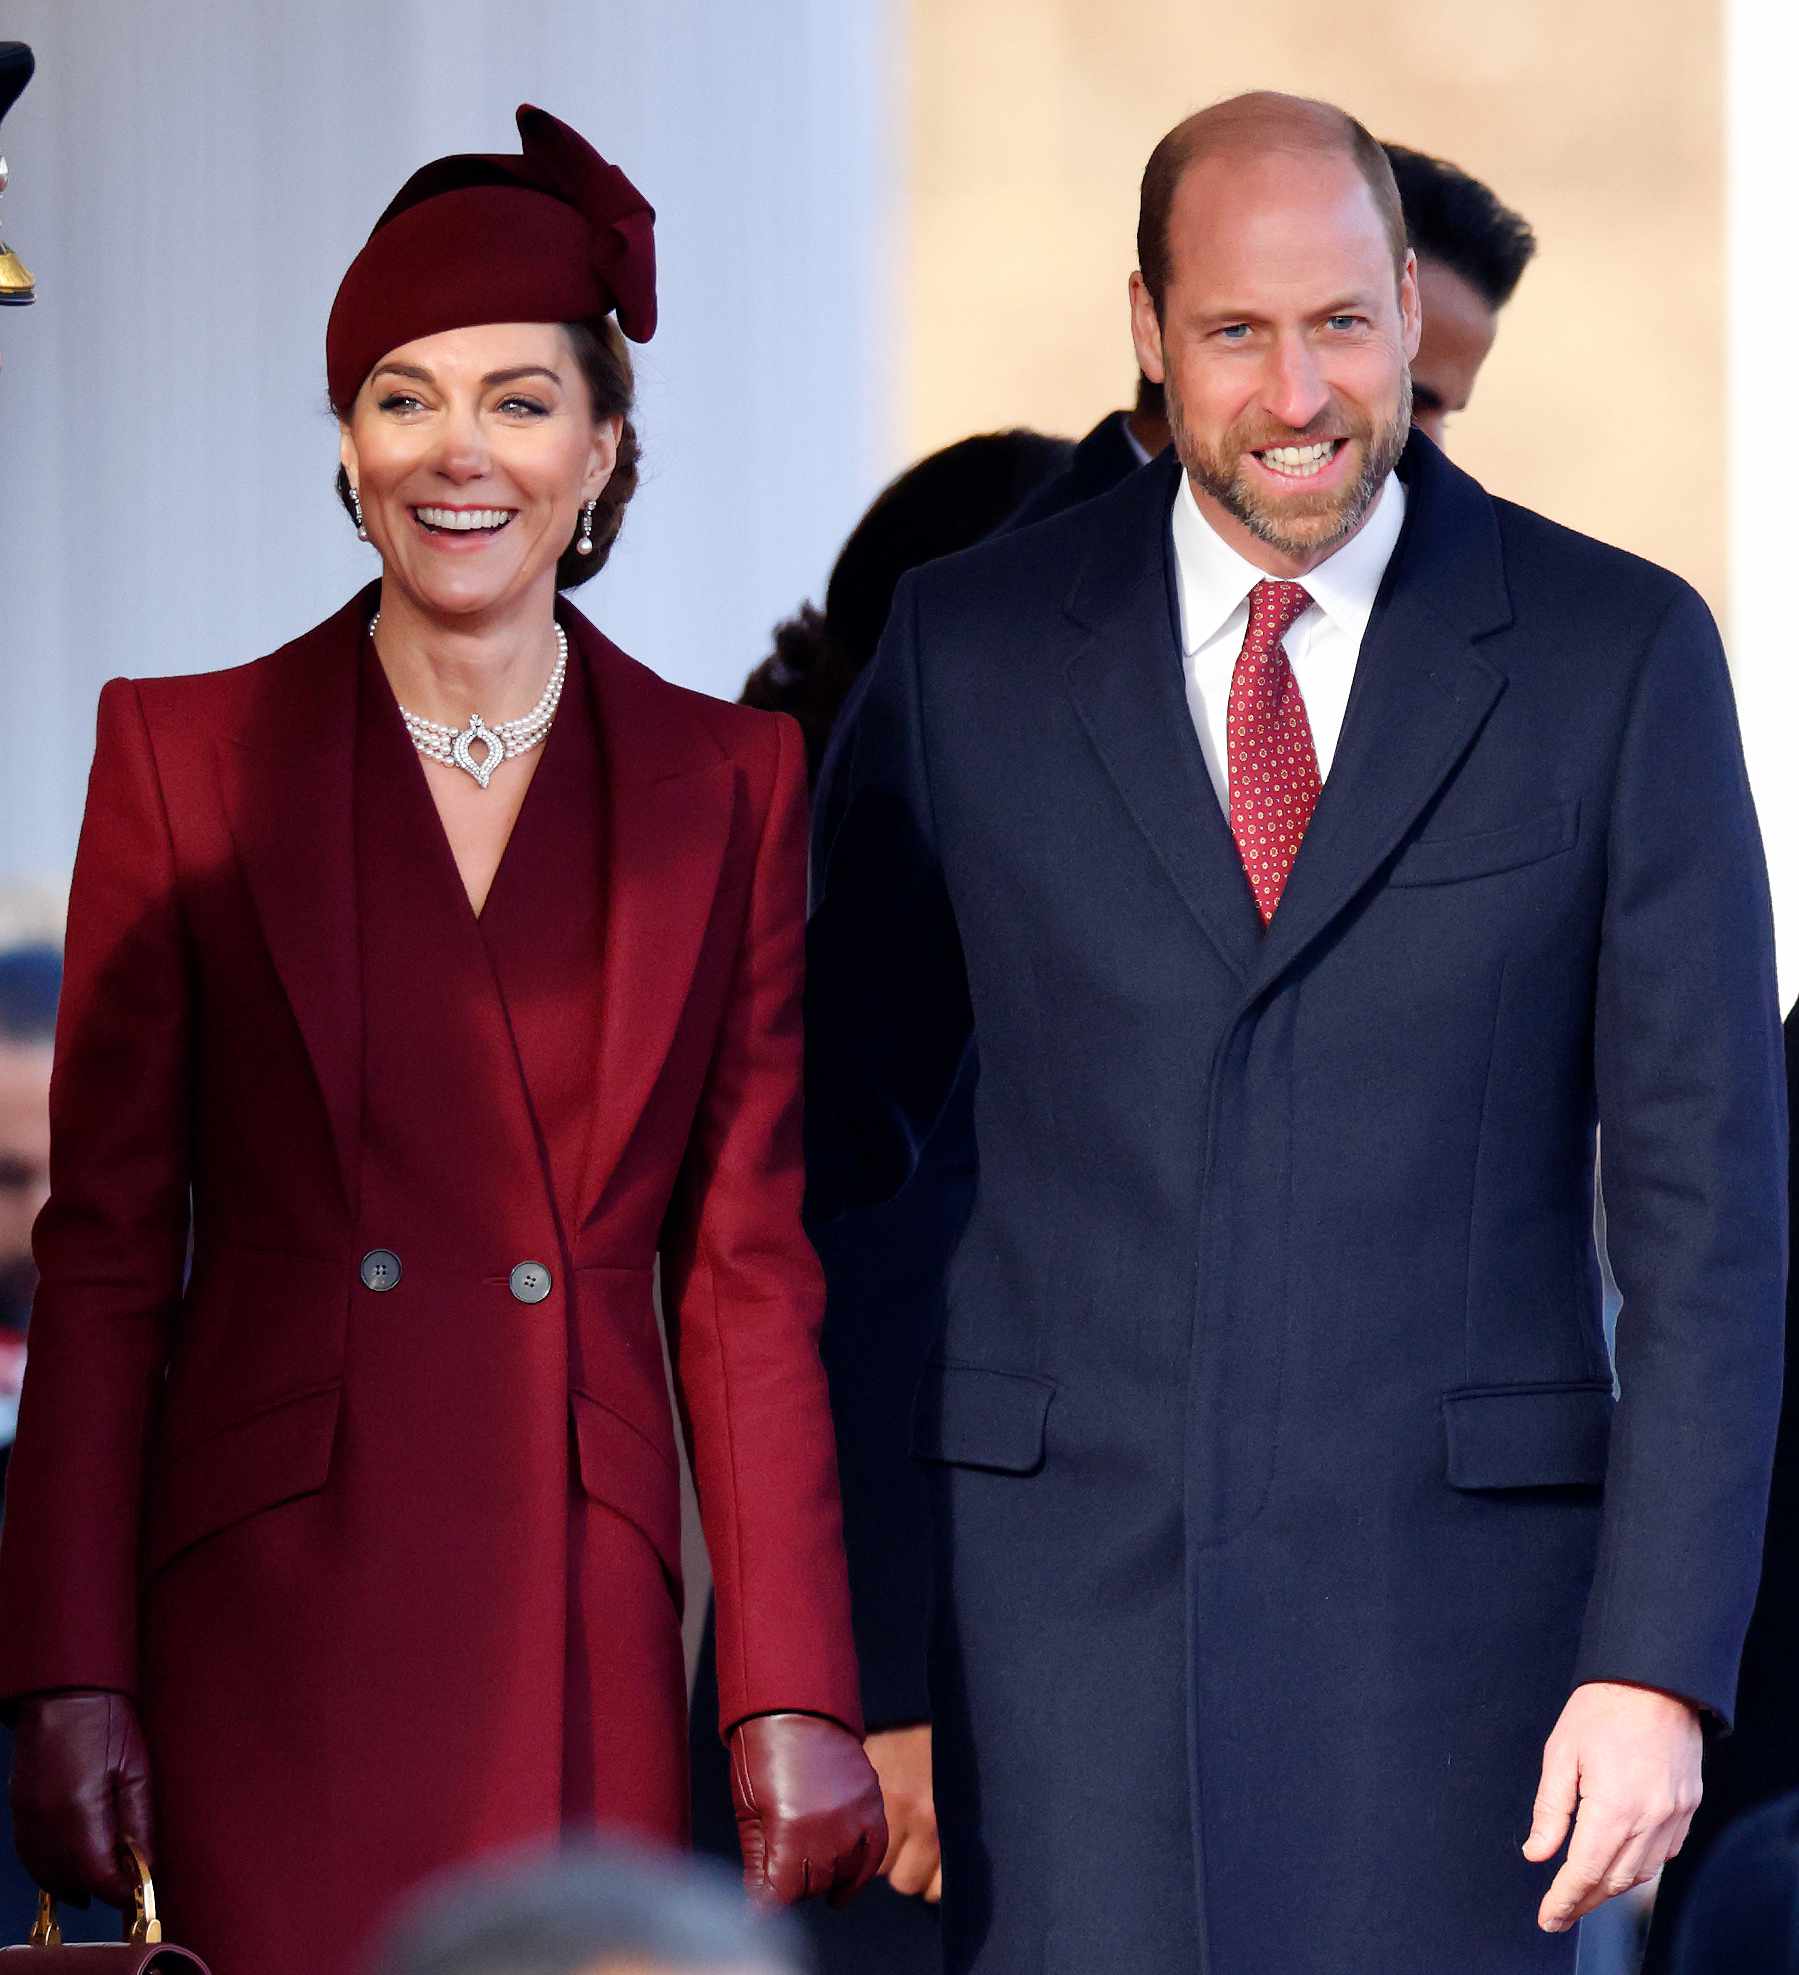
(510,738)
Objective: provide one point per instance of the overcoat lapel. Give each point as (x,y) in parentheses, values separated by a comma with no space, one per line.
(1421,694)
(287,778)
(1128,688)
(543,926)
(671,794)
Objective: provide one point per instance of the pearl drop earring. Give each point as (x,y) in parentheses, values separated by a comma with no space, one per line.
(362,533)
(584,546)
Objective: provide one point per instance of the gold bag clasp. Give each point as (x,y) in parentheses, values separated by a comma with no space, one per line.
(142,1928)
(45,1933)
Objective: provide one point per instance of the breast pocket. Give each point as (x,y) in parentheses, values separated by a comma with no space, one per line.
(972,1416)
(1551,1435)
(1450,860)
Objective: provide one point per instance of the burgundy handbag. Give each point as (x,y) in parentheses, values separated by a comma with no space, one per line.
(142,1952)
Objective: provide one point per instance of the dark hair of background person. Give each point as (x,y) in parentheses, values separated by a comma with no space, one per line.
(948,501)
(1453,218)
(1169,160)
(606,365)
(1152,398)
(585,1908)
(30,982)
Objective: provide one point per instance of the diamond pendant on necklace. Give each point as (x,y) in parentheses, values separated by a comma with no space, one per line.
(479,731)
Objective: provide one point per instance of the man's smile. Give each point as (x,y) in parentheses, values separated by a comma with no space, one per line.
(1300,462)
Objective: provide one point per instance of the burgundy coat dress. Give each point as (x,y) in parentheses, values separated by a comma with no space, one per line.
(374,1507)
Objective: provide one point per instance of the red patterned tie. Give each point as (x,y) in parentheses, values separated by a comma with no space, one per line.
(1273,765)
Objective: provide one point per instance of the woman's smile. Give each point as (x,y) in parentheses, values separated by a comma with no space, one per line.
(458,530)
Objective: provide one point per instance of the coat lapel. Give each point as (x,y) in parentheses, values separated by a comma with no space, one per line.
(669,813)
(287,778)
(1128,689)
(1422,691)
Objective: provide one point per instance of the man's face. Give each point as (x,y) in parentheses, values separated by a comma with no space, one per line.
(24,1168)
(1459,329)
(1284,343)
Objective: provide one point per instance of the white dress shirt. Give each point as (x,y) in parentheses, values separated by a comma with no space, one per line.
(1213,582)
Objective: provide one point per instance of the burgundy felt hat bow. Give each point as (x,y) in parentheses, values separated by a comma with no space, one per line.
(554,235)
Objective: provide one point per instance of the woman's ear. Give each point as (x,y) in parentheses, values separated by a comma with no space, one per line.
(346,453)
(602,456)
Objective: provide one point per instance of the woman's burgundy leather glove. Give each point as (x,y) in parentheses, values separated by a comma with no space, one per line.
(808,1809)
(80,1783)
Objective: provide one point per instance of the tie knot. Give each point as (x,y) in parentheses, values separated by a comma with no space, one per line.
(1273,607)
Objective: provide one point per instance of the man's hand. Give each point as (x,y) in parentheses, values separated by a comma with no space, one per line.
(1630,1758)
(902,1760)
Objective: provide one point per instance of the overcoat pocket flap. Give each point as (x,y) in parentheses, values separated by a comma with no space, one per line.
(969,1416)
(621,1467)
(274,1456)
(1529,1436)
(1443,860)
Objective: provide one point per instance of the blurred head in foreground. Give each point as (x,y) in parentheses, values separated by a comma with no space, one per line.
(604,1910)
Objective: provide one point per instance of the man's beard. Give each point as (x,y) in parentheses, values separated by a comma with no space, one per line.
(1296,525)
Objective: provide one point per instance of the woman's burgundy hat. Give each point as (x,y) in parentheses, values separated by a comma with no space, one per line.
(557,235)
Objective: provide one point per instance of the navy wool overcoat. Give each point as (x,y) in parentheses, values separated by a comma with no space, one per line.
(1279,1486)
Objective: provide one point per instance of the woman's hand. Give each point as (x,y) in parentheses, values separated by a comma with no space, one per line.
(808,1809)
(902,1760)
(80,1784)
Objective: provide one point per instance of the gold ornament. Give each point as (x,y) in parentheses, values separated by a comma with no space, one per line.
(16,284)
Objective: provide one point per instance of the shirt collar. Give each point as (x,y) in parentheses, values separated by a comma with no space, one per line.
(1213,580)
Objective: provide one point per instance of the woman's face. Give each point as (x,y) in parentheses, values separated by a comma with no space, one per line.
(472,452)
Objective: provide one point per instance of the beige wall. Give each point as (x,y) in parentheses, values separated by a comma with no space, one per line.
(1600,120)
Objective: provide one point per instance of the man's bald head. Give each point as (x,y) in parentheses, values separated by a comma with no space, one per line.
(1261,122)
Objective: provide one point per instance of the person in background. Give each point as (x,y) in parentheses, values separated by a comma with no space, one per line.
(1738,1911)
(1120,443)
(947,501)
(1472,252)
(30,980)
(599,1910)
(1741,1853)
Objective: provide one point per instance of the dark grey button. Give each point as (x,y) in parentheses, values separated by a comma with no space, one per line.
(380,1269)
(530,1282)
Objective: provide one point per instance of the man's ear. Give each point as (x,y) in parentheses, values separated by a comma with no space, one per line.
(1146,331)
(1411,309)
